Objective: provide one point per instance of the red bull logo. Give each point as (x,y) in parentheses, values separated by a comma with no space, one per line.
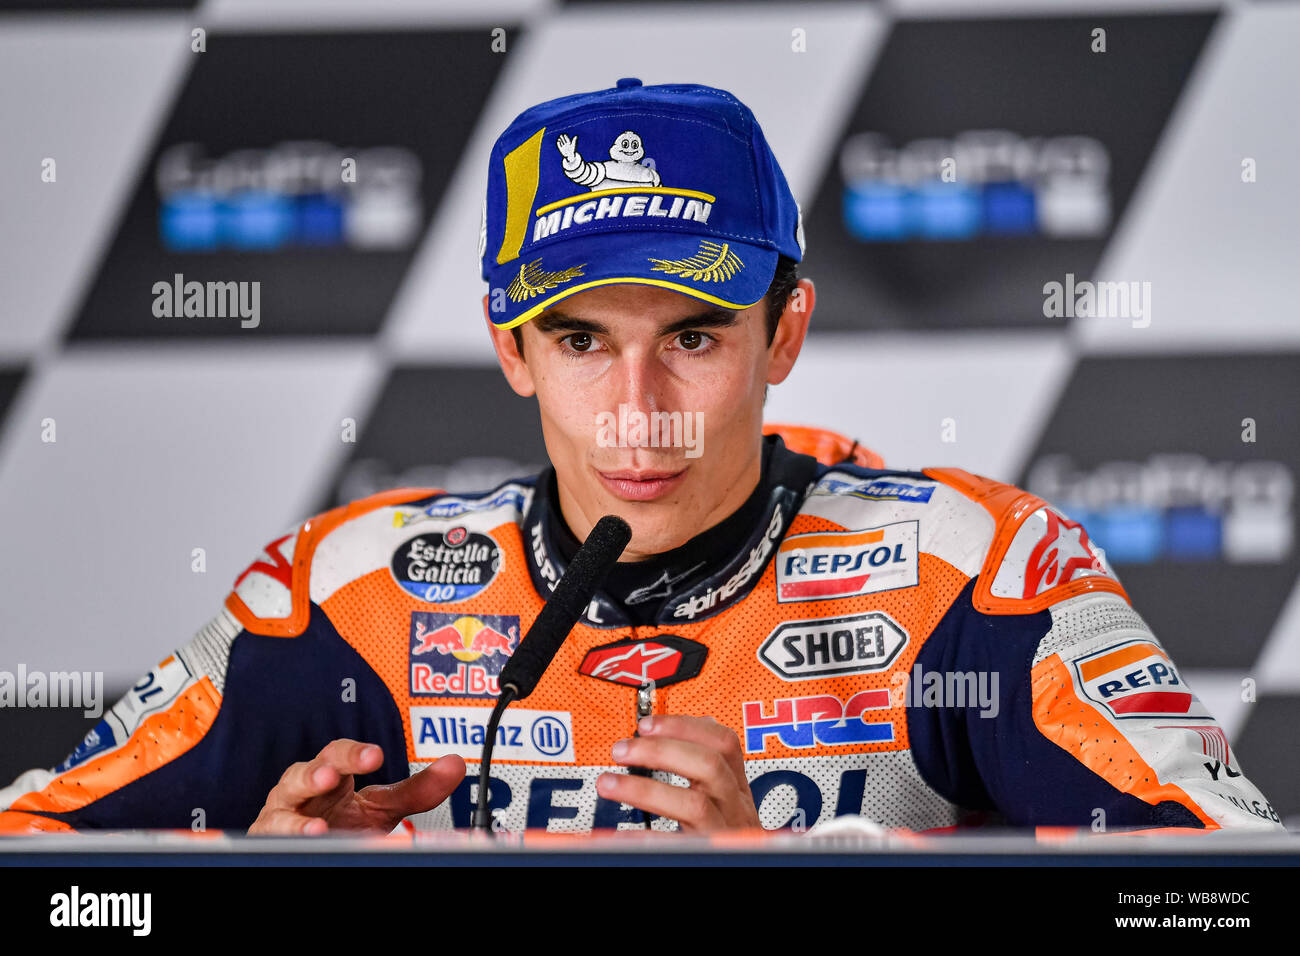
(460,655)
(467,638)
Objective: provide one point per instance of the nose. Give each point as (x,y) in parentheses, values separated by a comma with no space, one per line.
(641,381)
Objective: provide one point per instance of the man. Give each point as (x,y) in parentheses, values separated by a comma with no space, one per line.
(812,635)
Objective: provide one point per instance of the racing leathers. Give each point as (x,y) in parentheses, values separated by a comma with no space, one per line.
(923,648)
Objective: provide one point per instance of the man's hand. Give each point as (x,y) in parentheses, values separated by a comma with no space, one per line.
(316,796)
(567,145)
(698,748)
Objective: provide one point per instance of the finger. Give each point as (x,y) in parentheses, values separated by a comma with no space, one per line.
(279,822)
(417,793)
(351,756)
(704,768)
(704,731)
(300,783)
(327,771)
(693,811)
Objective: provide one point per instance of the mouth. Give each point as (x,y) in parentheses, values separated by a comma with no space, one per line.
(633,485)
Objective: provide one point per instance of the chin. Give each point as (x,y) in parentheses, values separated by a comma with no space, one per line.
(654,537)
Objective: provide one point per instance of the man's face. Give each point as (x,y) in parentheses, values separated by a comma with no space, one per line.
(603,363)
(627,148)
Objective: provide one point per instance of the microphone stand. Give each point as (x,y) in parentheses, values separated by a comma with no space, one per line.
(569,599)
(482,819)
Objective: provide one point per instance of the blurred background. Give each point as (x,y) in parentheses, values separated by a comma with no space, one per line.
(1149,150)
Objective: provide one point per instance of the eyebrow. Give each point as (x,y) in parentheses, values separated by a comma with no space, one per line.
(553,320)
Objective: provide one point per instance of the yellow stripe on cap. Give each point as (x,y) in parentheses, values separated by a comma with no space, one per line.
(523,165)
(626,280)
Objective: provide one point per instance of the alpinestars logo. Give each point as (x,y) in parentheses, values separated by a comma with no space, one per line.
(1060,554)
(1047,551)
(758,556)
(666,659)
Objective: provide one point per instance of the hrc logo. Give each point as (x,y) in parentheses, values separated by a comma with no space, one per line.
(802,722)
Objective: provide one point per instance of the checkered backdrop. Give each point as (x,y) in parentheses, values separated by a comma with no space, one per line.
(1147,147)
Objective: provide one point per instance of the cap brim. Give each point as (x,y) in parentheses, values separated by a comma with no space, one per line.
(730,275)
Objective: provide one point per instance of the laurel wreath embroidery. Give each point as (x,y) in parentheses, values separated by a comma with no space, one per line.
(534,280)
(712,263)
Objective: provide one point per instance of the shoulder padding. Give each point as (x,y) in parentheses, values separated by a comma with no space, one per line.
(1037,557)
(271,596)
(828,447)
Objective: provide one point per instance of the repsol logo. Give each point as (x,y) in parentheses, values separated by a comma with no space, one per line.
(785,798)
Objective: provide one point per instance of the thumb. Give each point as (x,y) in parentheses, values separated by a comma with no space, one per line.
(419,792)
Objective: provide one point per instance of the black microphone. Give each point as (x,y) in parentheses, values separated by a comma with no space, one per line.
(566,606)
(576,587)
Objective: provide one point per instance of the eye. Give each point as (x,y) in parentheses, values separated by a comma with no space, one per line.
(578,342)
(694,341)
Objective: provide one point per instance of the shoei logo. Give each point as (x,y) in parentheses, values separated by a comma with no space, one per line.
(836,564)
(804,650)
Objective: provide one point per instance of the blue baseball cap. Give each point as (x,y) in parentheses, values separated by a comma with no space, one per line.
(673,186)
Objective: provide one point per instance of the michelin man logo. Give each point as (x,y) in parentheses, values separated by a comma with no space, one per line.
(623,168)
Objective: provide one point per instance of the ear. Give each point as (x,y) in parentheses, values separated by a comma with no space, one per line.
(512,363)
(790,332)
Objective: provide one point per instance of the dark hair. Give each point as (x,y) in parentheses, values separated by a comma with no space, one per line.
(779,292)
(778,297)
